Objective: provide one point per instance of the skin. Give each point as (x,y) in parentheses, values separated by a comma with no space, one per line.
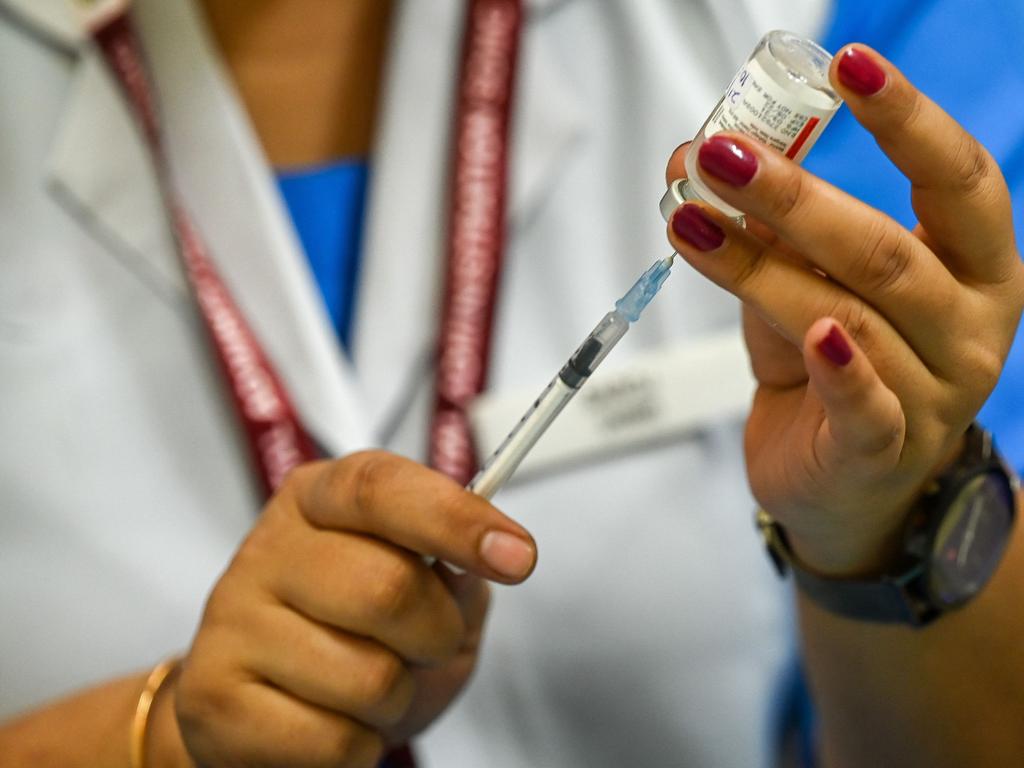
(308,72)
(837,453)
(329,637)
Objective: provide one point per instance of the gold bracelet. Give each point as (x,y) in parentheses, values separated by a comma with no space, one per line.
(157,677)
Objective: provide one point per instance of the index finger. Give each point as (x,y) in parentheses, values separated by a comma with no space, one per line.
(959,194)
(400,501)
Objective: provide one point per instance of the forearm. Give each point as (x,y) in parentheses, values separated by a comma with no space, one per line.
(950,694)
(91,728)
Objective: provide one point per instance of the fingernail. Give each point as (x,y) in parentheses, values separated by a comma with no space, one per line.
(507,554)
(723,158)
(695,227)
(835,348)
(859,72)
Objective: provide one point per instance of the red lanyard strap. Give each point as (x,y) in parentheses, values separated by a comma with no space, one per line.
(476,229)
(277,440)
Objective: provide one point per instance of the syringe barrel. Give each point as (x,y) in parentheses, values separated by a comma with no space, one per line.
(510,454)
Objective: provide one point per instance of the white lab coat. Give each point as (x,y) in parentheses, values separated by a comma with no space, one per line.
(653,632)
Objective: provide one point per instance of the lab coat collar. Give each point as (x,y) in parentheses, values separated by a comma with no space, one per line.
(54,21)
(99,168)
(401,281)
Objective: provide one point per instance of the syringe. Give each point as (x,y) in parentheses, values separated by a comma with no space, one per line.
(584,361)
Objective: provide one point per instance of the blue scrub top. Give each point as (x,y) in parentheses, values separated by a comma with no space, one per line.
(327,205)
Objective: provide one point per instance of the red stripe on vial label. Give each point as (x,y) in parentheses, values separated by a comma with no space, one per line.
(805,134)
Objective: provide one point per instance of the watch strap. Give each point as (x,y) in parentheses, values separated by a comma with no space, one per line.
(885,600)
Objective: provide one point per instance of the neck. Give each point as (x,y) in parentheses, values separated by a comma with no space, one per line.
(308,72)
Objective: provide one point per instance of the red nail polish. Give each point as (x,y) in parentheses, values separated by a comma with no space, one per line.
(835,348)
(859,72)
(695,227)
(724,159)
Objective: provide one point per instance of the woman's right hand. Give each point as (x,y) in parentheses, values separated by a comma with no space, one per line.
(330,637)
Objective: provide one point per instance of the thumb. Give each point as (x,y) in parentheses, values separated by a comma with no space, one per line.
(399,501)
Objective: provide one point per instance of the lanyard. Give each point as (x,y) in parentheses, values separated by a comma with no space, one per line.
(476,226)
(277,440)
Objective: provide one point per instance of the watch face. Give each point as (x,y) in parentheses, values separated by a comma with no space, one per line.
(971,539)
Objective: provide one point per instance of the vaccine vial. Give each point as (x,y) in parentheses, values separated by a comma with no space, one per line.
(781,96)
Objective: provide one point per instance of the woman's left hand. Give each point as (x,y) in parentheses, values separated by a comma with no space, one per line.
(874,347)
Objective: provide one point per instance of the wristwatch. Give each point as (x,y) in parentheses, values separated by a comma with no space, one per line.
(956,535)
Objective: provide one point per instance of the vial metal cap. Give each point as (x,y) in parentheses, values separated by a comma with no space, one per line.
(679,192)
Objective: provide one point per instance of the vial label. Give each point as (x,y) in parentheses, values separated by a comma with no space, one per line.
(756,105)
